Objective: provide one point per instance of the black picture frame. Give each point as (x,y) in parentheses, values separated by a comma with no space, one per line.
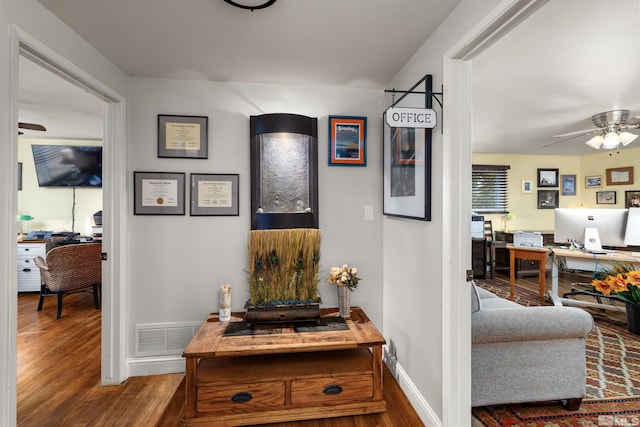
(548,199)
(214,194)
(547,178)
(632,199)
(183,136)
(158,193)
(605,197)
(407,160)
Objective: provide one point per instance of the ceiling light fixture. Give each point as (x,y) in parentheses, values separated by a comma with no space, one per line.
(251,4)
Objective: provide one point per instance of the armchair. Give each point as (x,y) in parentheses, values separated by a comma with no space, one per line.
(526,354)
(70,269)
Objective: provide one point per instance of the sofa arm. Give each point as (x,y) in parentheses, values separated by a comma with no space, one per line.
(529,324)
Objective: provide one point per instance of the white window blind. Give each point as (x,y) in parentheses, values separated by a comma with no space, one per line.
(489,189)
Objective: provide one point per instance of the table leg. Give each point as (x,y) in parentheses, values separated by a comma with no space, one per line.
(542,276)
(512,273)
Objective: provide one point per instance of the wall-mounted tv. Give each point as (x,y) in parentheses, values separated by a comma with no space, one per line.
(68,165)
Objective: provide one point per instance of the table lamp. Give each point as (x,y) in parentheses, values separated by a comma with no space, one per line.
(21,219)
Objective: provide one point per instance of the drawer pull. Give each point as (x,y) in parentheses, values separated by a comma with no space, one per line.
(241,397)
(26,270)
(332,389)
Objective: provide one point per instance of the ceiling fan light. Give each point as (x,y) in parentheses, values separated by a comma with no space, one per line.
(627,137)
(595,142)
(611,140)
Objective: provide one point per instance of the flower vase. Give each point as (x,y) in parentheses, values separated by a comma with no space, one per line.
(344,309)
(633,318)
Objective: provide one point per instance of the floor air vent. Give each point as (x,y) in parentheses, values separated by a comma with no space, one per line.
(164,339)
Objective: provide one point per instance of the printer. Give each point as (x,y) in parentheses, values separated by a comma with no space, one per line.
(529,239)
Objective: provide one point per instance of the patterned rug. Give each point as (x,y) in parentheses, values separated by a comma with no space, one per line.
(613,378)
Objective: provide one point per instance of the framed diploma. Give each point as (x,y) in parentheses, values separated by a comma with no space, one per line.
(214,194)
(158,193)
(183,136)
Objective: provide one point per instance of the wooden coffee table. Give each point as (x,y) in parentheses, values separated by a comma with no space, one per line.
(287,373)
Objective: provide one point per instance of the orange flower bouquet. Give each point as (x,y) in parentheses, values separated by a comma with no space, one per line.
(622,280)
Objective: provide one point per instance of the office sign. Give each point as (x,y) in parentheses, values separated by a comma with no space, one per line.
(411,117)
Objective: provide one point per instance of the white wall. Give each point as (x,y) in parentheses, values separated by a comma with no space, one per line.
(53,208)
(179,262)
(416,256)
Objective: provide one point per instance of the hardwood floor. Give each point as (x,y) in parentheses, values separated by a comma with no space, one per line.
(59,378)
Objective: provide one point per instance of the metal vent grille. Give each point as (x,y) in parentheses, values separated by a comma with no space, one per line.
(164,339)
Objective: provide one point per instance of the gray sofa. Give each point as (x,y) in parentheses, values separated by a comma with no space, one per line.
(526,354)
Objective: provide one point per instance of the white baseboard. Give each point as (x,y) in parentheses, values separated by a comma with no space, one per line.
(143,366)
(421,406)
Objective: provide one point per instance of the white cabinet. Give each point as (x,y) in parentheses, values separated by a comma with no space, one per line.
(28,271)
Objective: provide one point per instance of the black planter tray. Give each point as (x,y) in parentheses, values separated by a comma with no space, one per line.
(282,313)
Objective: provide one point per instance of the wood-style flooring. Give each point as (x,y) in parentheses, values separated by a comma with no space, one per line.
(59,378)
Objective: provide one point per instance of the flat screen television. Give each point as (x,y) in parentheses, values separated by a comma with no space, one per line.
(572,224)
(68,165)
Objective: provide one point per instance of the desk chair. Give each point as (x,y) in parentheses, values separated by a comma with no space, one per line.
(70,269)
(491,245)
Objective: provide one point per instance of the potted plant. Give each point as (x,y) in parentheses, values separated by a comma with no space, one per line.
(623,281)
(346,279)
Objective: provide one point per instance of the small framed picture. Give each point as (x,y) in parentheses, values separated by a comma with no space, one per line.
(547,177)
(183,136)
(620,176)
(568,185)
(547,199)
(347,141)
(632,199)
(158,193)
(527,186)
(606,197)
(214,194)
(593,181)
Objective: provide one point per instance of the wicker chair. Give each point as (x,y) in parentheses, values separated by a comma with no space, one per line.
(70,269)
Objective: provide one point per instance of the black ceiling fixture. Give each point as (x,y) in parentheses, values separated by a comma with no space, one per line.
(251,4)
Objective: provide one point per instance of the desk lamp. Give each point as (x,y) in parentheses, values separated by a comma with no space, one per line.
(21,219)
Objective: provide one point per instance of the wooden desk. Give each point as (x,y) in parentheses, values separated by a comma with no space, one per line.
(586,261)
(521,252)
(285,375)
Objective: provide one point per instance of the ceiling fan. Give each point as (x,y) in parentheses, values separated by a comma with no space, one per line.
(30,126)
(610,131)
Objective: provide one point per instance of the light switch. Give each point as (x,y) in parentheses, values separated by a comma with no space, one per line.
(368,213)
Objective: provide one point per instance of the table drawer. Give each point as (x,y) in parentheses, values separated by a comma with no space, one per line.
(27,263)
(331,389)
(31,250)
(246,396)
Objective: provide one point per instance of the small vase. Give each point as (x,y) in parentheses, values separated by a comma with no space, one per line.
(344,308)
(633,318)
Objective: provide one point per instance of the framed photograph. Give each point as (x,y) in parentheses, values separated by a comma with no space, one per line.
(407,162)
(606,197)
(632,199)
(568,185)
(548,199)
(158,193)
(547,177)
(527,186)
(593,181)
(183,136)
(214,194)
(620,176)
(347,141)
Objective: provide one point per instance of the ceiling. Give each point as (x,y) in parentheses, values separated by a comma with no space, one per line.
(569,60)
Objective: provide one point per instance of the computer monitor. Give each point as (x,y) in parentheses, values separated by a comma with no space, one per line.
(632,236)
(592,227)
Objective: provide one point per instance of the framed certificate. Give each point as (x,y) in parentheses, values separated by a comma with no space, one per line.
(214,194)
(183,136)
(158,193)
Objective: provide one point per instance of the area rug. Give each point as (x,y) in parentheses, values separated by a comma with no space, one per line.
(613,378)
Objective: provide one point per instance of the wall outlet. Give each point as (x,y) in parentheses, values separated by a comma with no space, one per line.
(368,213)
